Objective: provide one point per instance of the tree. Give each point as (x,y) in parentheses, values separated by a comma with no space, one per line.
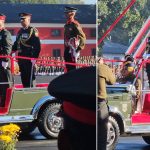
(103,13)
(130,24)
(45,1)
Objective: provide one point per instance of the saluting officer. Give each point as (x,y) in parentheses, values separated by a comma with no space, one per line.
(128,77)
(74,38)
(5,50)
(28,45)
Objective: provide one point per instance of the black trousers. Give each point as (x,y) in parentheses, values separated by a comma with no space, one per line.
(148,72)
(26,68)
(102,124)
(79,136)
(5,76)
(68,58)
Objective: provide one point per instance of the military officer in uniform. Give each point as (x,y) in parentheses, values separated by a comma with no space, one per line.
(74,38)
(128,57)
(28,45)
(128,77)
(127,71)
(148,64)
(105,76)
(5,50)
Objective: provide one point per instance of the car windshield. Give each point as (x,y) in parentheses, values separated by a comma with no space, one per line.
(111,90)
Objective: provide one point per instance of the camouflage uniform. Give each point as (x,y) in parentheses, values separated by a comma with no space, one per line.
(28,45)
(5,74)
(105,76)
(72,29)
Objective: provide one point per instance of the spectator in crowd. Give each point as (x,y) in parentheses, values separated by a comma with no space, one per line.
(56,64)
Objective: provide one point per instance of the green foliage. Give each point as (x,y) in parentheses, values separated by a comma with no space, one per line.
(43,1)
(129,25)
(103,12)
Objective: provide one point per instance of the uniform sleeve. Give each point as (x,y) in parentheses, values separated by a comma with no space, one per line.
(81,36)
(110,78)
(36,44)
(15,45)
(105,72)
(7,43)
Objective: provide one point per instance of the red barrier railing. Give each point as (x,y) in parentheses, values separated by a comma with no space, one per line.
(139,65)
(55,63)
(116,21)
(138,37)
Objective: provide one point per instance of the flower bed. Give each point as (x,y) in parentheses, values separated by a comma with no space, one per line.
(9,136)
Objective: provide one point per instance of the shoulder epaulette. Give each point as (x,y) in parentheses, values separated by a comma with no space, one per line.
(36,32)
(76,22)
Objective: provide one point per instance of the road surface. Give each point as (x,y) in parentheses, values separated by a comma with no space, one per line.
(35,141)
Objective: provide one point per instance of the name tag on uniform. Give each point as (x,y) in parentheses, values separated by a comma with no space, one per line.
(25,35)
(0,37)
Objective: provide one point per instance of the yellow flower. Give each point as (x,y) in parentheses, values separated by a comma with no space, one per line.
(5,138)
(9,136)
(9,129)
(9,133)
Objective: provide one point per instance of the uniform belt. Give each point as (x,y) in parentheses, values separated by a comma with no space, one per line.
(80,114)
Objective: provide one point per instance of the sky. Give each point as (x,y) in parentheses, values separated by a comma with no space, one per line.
(90,1)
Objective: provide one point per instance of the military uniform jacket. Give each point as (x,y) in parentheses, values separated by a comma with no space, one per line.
(105,76)
(73,29)
(27,42)
(5,43)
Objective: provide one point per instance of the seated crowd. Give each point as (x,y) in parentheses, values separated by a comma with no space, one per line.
(55,65)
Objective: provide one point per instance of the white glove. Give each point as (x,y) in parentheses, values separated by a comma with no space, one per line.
(4,64)
(33,61)
(76,54)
